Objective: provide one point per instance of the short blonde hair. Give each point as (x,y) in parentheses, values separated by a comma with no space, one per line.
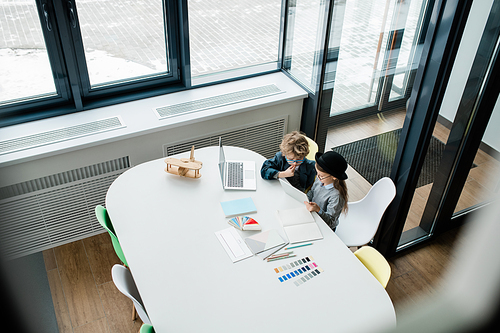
(295,143)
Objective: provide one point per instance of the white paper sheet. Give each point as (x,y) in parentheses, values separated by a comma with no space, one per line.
(299,225)
(233,244)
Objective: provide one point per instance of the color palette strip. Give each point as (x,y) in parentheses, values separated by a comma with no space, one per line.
(308,276)
(302,274)
(297,272)
(294,264)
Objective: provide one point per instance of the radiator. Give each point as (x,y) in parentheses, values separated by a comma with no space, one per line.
(263,138)
(60,134)
(54,210)
(217,101)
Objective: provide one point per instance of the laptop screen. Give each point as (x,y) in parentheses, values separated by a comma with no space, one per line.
(292,191)
(222,160)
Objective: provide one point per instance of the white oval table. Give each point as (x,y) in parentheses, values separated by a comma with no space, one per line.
(166,226)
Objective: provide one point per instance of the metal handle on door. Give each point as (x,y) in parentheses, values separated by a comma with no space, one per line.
(72,16)
(46,15)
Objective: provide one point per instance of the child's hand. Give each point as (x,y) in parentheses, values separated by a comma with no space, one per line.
(288,172)
(312,206)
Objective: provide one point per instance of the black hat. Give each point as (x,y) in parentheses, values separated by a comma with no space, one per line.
(333,163)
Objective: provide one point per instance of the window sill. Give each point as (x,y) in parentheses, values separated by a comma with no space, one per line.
(139,118)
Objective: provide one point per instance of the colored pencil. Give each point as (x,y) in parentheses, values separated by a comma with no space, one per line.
(293,247)
(274,259)
(279,255)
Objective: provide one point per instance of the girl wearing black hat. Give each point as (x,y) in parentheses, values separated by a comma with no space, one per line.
(328,195)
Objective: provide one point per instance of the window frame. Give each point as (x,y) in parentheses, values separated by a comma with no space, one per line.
(67,58)
(74,93)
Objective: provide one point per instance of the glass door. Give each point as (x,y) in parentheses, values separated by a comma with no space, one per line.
(447,162)
(480,180)
(379,47)
(461,165)
(374,48)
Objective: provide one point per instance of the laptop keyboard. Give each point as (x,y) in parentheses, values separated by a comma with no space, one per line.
(234,174)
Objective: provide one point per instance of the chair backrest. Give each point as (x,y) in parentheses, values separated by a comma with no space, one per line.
(145,328)
(102,216)
(360,224)
(379,196)
(375,263)
(313,149)
(126,285)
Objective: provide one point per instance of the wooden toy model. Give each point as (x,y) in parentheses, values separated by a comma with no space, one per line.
(186,167)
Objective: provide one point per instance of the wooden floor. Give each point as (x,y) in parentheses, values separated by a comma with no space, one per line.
(86,300)
(84,295)
(419,272)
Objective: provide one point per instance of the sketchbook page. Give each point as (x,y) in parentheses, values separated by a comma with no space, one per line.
(233,244)
(295,216)
(303,232)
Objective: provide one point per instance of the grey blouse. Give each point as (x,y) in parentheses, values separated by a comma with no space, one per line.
(329,201)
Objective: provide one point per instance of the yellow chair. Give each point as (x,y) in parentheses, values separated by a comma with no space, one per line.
(313,149)
(375,263)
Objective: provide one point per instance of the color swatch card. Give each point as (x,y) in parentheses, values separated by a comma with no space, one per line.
(265,241)
(233,244)
(238,207)
(244,223)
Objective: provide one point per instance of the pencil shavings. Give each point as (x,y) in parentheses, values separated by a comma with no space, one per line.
(244,223)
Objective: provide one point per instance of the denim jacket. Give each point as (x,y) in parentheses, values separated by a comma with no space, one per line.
(278,163)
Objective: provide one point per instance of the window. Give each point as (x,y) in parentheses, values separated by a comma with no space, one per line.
(233,38)
(122,39)
(62,56)
(24,59)
(303,42)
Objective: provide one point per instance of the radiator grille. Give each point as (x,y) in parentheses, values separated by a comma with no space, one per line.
(64,177)
(59,135)
(261,138)
(55,215)
(217,101)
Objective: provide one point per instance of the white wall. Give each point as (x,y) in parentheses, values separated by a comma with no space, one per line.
(491,136)
(468,46)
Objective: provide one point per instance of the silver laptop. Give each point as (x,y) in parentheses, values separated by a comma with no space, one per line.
(236,175)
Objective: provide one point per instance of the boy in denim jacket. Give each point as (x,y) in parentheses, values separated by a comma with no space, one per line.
(291,162)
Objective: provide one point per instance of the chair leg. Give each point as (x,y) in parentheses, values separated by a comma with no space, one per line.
(134,313)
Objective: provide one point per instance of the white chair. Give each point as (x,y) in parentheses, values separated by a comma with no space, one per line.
(125,283)
(359,226)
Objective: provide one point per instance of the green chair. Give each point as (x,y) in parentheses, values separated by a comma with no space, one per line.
(145,328)
(102,216)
